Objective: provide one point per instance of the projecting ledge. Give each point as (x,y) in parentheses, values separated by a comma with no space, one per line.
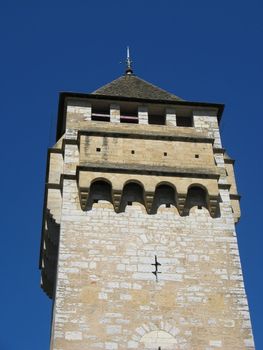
(150,132)
(194,172)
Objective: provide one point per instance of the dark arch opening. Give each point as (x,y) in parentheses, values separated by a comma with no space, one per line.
(132,192)
(164,194)
(196,196)
(99,190)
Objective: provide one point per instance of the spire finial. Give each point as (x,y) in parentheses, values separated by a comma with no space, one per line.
(128,62)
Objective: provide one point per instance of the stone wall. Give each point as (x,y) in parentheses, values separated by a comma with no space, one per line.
(136,278)
(108,298)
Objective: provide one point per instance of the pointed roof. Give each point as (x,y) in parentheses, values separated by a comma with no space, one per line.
(130,85)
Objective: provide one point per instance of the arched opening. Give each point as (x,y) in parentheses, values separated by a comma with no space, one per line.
(132,192)
(164,194)
(196,196)
(99,190)
(159,340)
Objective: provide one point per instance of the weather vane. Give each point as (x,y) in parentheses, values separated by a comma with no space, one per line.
(128,62)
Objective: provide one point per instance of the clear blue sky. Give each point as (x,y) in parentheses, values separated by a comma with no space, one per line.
(200,50)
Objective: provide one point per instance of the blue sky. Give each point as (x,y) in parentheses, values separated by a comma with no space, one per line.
(200,50)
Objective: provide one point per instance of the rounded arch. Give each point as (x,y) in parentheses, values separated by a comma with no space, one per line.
(197,195)
(103,179)
(196,184)
(100,189)
(136,181)
(158,339)
(167,183)
(165,193)
(133,191)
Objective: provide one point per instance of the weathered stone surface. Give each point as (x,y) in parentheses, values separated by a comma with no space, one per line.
(150,265)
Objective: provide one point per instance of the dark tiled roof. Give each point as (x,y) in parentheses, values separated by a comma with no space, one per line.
(131,86)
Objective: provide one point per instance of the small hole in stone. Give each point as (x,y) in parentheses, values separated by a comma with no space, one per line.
(132,151)
(197,156)
(199,206)
(97,149)
(168,205)
(129,203)
(165,154)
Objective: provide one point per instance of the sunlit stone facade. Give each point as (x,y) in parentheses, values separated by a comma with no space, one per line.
(139,247)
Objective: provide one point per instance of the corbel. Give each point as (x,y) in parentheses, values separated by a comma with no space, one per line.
(181,199)
(149,196)
(116,199)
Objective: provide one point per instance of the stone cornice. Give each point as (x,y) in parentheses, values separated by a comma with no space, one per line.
(147,134)
(207,173)
(219,150)
(235,196)
(224,186)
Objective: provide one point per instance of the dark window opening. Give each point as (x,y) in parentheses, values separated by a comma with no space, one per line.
(196,196)
(196,155)
(131,118)
(165,154)
(99,190)
(164,194)
(132,192)
(98,149)
(100,117)
(156,119)
(184,121)
(132,151)
(100,114)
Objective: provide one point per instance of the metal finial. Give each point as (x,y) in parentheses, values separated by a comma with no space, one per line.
(128,62)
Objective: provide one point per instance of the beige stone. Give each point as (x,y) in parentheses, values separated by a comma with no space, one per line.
(98,253)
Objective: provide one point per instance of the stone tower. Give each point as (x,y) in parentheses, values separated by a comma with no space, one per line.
(139,248)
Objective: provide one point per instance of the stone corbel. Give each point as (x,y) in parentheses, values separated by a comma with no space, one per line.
(149,196)
(213,205)
(181,199)
(83,197)
(116,199)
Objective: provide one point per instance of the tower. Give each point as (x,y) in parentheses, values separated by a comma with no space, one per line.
(139,247)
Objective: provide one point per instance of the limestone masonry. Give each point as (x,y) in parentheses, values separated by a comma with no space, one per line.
(139,249)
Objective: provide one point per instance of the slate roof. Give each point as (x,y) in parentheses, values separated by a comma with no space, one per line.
(130,85)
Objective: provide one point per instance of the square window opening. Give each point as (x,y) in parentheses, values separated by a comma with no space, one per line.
(100,113)
(156,119)
(184,121)
(131,118)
